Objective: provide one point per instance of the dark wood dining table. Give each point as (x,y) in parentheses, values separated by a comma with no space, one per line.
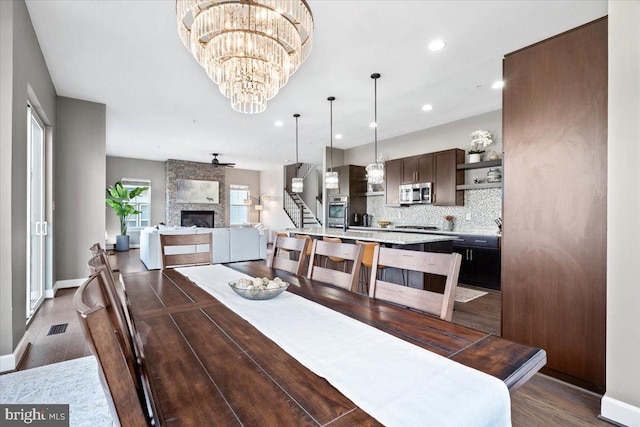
(208,366)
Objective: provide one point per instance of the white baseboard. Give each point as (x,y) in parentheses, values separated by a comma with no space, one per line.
(49,293)
(71,283)
(9,362)
(620,412)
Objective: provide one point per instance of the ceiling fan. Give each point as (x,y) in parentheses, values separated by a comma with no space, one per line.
(215,162)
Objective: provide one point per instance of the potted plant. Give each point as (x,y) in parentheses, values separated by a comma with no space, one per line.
(119,198)
(480,139)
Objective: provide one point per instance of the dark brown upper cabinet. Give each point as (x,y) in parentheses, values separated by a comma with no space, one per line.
(417,169)
(441,169)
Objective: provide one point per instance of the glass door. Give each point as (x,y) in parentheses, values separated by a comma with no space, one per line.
(36,213)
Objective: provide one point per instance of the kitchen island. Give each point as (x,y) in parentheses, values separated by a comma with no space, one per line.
(411,241)
(388,238)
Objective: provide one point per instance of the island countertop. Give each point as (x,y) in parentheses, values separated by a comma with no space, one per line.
(388,237)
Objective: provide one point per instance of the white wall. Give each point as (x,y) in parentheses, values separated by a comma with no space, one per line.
(80,183)
(24,77)
(621,402)
(273,216)
(243,177)
(451,135)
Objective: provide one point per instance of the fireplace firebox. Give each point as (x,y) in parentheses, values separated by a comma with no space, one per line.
(197,218)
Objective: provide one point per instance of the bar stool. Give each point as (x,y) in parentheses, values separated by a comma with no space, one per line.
(281,234)
(333,259)
(367,263)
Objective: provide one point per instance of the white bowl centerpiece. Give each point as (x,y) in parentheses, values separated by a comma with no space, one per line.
(258,288)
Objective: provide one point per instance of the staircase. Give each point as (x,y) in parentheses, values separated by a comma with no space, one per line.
(308,218)
(293,205)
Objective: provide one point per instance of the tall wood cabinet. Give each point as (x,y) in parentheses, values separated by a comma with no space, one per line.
(555,200)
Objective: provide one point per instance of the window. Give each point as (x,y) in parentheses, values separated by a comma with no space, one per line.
(142,203)
(238,211)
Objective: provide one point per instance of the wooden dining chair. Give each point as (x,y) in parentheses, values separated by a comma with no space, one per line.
(118,300)
(367,263)
(333,259)
(425,262)
(187,242)
(290,245)
(121,383)
(346,251)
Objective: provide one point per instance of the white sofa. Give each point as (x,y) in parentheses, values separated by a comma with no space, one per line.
(229,244)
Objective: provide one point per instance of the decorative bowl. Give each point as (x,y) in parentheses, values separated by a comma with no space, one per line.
(261,292)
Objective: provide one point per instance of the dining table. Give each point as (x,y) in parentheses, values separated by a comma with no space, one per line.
(211,357)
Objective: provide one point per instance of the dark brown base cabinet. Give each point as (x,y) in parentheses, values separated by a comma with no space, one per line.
(480,261)
(554,233)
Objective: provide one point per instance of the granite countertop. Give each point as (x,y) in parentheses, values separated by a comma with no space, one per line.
(386,236)
(471,232)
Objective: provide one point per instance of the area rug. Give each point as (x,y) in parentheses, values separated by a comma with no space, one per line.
(466,294)
(74,382)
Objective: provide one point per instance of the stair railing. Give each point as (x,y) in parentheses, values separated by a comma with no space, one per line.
(292,208)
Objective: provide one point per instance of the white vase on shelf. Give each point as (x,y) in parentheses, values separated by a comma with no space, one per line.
(475,158)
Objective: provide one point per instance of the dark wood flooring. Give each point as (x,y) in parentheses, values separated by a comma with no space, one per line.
(542,401)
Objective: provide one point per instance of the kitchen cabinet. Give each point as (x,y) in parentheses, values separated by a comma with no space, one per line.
(480,261)
(554,258)
(392,179)
(447,178)
(352,181)
(440,168)
(417,169)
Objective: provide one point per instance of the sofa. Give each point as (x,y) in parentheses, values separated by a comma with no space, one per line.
(229,244)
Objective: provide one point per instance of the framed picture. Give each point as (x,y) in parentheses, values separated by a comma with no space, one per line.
(196,191)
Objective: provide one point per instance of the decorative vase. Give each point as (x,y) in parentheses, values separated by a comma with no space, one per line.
(122,243)
(475,158)
(447,225)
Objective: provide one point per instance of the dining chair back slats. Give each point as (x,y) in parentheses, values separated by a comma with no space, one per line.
(288,245)
(345,251)
(187,242)
(425,262)
(120,382)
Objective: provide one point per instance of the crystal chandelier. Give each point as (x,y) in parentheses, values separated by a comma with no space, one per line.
(375,170)
(249,48)
(297,184)
(331,177)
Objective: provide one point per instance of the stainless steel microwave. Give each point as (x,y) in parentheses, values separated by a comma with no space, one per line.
(415,193)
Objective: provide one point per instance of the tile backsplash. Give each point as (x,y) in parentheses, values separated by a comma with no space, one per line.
(483,206)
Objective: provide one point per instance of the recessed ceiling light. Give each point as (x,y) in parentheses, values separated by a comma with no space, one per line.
(427,107)
(279,123)
(338,136)
(373,125)
(436,45)
(498,84)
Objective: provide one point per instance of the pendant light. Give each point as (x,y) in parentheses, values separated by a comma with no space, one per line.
(331,178)
(375,170)
(297,184)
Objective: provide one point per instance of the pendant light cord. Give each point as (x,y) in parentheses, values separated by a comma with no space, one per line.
(375,77)
(297,163)
(331,99)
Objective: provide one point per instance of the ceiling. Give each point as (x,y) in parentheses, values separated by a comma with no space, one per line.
(161,104)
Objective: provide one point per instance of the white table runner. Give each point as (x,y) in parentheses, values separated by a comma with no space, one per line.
(396,382)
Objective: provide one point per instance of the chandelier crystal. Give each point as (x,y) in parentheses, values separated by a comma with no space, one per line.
(375,170)
(331,179)
(249,48)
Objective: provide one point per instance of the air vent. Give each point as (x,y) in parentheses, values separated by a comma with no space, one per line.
(58,329)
